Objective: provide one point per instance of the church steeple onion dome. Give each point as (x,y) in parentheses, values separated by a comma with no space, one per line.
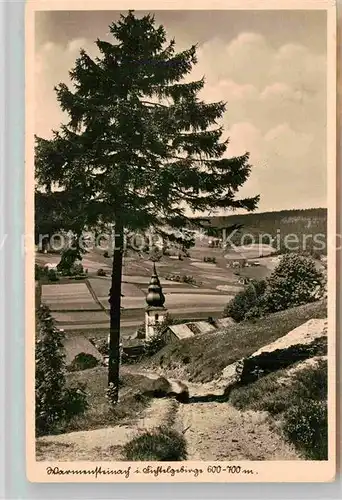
(155,296)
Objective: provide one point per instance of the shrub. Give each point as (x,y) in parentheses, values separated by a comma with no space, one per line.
(248,302)
(182,279)
(154,344)
(188,279)
(172,277)
(76,269)
(306,425)
(68,259)
(83,361)
(254,312)
(155,254)
(159,445)
(50,373)
(39,272)
(211,260)
(312,382)
(101,272)
(52,275)
(53,400)
(295,281)
(75,401)
(106,254)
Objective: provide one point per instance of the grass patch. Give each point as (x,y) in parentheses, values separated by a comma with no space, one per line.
(100,413)
(159,445)
(52,451)
(207,355)
(44,450)
(277,392)
(298,401)
(306,425)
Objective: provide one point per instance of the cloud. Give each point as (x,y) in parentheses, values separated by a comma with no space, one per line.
(287,165)
(260,82)
(52,65)
(276,109)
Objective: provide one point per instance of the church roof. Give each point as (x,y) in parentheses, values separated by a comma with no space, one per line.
(155,296)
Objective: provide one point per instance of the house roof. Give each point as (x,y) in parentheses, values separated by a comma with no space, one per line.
(76,344)
(181,331)
(191,329)
(201,327)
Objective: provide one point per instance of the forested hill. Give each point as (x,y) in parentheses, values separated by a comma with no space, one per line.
(303,223)
(271,221)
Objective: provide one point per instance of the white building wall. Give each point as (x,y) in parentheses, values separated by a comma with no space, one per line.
(151,322)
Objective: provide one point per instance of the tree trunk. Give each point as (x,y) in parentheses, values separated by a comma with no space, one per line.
(115,306)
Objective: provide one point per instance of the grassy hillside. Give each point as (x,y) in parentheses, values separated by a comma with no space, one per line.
(202,358)
(100,414)
(297,399)
(308,222)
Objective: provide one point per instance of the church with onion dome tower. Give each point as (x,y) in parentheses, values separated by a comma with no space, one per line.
(155,311)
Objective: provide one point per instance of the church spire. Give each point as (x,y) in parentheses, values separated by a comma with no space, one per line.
(155,296)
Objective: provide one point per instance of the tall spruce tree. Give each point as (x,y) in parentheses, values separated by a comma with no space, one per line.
(140,146)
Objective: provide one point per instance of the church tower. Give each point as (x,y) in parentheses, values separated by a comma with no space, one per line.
(155,310)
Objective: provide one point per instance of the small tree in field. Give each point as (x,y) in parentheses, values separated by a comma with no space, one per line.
(295,281)
(140,146)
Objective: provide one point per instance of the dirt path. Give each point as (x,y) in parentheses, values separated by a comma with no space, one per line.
(213,430)
(218,431)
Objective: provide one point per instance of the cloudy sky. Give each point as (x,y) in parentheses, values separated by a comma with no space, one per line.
(269,66)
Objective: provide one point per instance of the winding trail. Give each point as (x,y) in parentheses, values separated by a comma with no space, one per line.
(213,430)
(218,431)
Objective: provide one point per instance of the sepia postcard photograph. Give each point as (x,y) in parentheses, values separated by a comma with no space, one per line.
(181,208)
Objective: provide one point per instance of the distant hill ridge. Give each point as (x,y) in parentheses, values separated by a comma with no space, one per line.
(310,215)
(309,226)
